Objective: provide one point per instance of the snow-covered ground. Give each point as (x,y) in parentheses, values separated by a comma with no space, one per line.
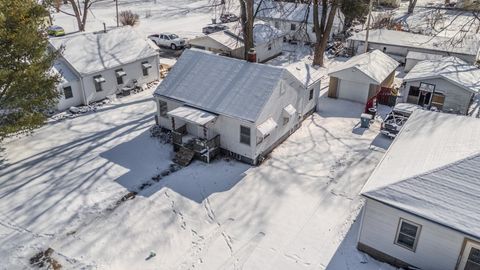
(58,189)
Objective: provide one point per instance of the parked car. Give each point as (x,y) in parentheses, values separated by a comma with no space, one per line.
(228,17)
(395,120)
(212,28)
(168,40)
(55,31)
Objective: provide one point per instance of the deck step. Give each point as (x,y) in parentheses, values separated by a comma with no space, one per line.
(184,156)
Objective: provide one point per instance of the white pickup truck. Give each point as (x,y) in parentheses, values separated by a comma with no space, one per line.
(169,40)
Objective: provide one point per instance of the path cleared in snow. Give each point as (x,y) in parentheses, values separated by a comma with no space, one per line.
(295,211)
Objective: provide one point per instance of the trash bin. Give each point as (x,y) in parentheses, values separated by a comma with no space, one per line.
(365,119)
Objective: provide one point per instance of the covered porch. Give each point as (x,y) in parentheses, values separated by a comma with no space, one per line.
(193,135)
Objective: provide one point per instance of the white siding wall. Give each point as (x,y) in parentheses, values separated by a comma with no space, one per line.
(399,53)
(263,53)
(227,127)
(457,99)
(438,248)
(77,98)
(300,33)
(133,71)
(352,81)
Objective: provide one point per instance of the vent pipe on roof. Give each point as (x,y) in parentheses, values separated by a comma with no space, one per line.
(104,27)
(252,55)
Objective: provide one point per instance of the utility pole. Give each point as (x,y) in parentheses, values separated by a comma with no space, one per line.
(116,7)
(368,25)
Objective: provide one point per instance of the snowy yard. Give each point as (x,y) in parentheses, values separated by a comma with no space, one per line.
(59,186)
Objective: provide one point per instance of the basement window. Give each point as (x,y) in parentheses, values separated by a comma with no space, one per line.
(407,234)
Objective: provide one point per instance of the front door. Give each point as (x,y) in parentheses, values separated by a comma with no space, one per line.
(470,257)
(424,99)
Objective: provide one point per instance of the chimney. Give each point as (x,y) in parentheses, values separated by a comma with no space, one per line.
(252,55)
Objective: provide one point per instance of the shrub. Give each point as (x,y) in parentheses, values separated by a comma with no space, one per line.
(127,17)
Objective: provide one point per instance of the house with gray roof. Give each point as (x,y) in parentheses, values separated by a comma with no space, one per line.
(95,65)
(447,84)
(213,103)
(422,199)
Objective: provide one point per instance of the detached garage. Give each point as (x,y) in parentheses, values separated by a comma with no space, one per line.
(362,77)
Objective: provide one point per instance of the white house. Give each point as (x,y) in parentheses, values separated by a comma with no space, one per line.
(448,84)
(294,19)
(398,44)
(422,199)
(96,65)
(362,77)
(213,103)
(268,42)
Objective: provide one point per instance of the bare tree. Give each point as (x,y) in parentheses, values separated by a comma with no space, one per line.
(247,18)
(323,27)
(411,6)
(80,10)
(127,17)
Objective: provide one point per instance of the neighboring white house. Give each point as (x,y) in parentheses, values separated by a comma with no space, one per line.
(96,65)
(414,57)
(212,102)
(362,76)
(422,199)
(448,84)
(268,42)
(294,19)
(398,44)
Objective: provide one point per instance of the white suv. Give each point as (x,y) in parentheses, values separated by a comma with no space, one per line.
(168,40)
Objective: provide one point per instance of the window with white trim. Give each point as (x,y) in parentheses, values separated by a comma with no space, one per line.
(473,261)
(293,27)
(310,95)
(245,135)
(67,92)
(163,107)
(407,234)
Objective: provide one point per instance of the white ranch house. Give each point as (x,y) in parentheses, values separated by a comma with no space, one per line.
(243,109)
(268,42)
(422,199)
(361,77)
(448,84)
(96,65)
(292,19)
(398,44)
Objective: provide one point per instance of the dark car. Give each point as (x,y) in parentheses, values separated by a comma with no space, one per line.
(212,28)
(228,17)
(395,120)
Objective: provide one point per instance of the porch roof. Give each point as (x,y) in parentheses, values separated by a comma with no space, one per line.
(192,115)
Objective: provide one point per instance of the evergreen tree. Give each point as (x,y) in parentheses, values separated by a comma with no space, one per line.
(27,86)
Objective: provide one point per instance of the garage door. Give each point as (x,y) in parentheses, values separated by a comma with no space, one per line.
(353,91)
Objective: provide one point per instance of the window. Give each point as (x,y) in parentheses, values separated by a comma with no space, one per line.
(119,73)
(245,135)
(67,92)
(163,107)
(285,120)
(473,261)
(310,96)
(145,67)
(427,87)
(293,27)
(269,46)
(414,91)
(277,25)
(98,81)
(407,235)
(438,100)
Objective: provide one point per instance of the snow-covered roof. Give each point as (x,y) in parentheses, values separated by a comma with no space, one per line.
(96,51)
(221,85)
(287,11)
(67,75)
(375,64)
(192,115)
(451,69)
(468,45)
(305,73)
(233,38)
(423,56)
(432,170)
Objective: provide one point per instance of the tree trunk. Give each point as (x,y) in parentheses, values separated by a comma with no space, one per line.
(324,34)
(247,20)
(411,6)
